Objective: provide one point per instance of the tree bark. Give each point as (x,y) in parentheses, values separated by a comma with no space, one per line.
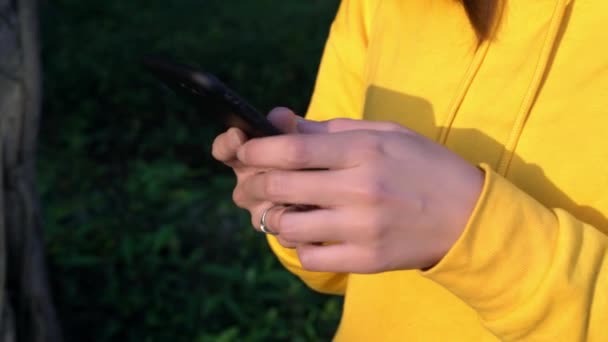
(27,310)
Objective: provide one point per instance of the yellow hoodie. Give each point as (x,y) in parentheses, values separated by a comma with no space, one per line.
(531,108)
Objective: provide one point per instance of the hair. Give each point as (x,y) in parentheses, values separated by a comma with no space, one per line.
(484,15)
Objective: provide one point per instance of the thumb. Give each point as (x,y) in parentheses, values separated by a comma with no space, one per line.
(343,125)
(288,122)
(284,119)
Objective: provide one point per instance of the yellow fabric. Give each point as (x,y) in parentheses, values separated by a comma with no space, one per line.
(531,108)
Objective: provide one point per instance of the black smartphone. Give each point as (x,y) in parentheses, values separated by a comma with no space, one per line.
(211,96)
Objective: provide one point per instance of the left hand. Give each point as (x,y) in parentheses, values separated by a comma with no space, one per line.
(386,198)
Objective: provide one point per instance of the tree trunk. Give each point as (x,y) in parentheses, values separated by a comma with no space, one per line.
(27,312)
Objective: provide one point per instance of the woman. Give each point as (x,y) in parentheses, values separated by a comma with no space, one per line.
(462,196)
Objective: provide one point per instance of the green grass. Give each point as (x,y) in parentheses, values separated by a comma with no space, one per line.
(143,241)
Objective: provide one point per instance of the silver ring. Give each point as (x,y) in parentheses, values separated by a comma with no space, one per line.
(263,225)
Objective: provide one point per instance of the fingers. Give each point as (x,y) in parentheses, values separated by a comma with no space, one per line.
(226,145)
(304,151)
(329,240)
(321,238)
(286,243)
(342,258)
(296,150)
(283,119)
(318,188)
(256,220)
(310,226)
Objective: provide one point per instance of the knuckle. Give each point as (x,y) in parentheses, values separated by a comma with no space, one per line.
(337,124)
(273,185)
(238,197)
(391,126)
(373,189)
(376,191)
(307,262)
(288,233)
(376,260)
(298,154)
(285,242)
(375,226)
(371,145)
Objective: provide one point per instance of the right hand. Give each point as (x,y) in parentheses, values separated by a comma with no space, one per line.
(224,150)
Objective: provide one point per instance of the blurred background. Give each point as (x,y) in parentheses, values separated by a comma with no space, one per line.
(143,241)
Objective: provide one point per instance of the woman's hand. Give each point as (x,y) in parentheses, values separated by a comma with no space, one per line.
(386,198)
(225,148)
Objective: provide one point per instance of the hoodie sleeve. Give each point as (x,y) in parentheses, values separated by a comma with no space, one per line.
(532,273)
(339,92)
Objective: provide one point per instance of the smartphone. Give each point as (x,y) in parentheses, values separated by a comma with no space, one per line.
(211,96)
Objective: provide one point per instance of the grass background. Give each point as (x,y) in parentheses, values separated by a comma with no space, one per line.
(144,243)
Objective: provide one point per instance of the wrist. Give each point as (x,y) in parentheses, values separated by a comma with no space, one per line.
(461,207)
